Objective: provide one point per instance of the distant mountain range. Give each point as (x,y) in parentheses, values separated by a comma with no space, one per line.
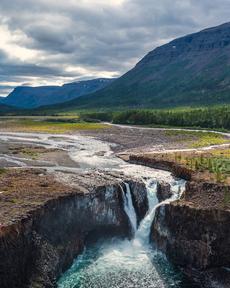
(5,109)
(192,70)
(33,97)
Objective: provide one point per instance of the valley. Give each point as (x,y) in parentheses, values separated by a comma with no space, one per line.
(116,175)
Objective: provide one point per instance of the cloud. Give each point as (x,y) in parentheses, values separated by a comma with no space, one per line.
(55,41)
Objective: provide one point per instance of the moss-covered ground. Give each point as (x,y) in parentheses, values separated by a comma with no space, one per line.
(50,125)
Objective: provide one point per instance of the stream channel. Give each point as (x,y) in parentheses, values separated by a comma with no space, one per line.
(112,263)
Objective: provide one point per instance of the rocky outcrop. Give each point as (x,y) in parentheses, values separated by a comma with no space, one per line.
(194,232)
(163,191)
(176,169)
(37,248)
(140,199)
(193,237)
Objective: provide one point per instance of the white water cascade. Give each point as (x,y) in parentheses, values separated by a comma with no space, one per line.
(127,263)
(128,206)
(142,234)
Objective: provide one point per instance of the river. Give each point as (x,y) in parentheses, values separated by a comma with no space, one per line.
(113,263)
(132,263)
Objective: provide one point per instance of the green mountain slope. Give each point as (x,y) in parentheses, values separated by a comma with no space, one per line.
(7,110)
(33,97)
(192,70)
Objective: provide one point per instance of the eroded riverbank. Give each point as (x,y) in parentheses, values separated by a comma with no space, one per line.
(47,213)
(97,167)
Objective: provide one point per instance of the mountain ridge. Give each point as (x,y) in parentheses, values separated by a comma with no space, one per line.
(190,70)
(33,97)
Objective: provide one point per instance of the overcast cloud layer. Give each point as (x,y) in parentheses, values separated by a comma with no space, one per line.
(50,42)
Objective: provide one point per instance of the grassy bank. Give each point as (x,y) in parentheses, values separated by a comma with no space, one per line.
(212,165)
(50,125)
(198,139)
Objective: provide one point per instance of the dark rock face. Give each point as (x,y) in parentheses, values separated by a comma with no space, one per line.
(207,195)
(35,251)
(140,199)
(193,237)
(177,170)
(163,191)
(196,238)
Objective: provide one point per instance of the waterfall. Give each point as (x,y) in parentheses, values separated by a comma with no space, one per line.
(142,234)
(123,262)
(143,231)
(128,206)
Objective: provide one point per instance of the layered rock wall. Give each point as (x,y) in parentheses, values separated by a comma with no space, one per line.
(194,233)
(37,249)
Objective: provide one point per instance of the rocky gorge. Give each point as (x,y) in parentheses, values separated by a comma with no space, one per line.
(193,231)
(42,242)
(50,217)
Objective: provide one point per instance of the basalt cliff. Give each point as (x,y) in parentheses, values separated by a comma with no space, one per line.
(194,231)
(45,227)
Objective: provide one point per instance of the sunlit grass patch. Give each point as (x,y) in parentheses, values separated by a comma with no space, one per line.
(47,126)
(210,139)
(198,138)
(2,171)
(30,153)
(215,162)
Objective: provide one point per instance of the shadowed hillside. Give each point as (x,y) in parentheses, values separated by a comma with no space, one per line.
(192,70)
(33,97)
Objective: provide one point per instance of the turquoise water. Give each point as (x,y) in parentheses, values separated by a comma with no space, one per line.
(119,264)
(127,263)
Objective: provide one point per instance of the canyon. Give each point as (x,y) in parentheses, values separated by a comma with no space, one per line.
(53,215)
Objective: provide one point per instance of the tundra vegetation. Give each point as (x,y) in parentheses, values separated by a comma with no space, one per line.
(48,125)
(212,165)
(207,117)
(198,138)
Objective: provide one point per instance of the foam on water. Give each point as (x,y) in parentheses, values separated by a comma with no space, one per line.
(115,263)
(124,263)
(142,234)
(88,152)
(128,206)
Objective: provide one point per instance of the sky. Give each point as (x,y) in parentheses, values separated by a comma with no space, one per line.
(51,42)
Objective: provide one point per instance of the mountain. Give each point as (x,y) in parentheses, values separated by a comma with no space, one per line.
(191,70)
(7,110)
(30,97)
(2,99)
(33,97)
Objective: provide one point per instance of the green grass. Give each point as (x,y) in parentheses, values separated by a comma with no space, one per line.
(48,126)
(32,154)
(209,140)
(216,162)
(198,138)
(2,171)
(220,167)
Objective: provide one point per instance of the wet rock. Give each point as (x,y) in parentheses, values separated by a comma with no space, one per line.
(196,238)
(208,194)
(210,278)
(177,170)
(39,246)
(140,199)
(163,191)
